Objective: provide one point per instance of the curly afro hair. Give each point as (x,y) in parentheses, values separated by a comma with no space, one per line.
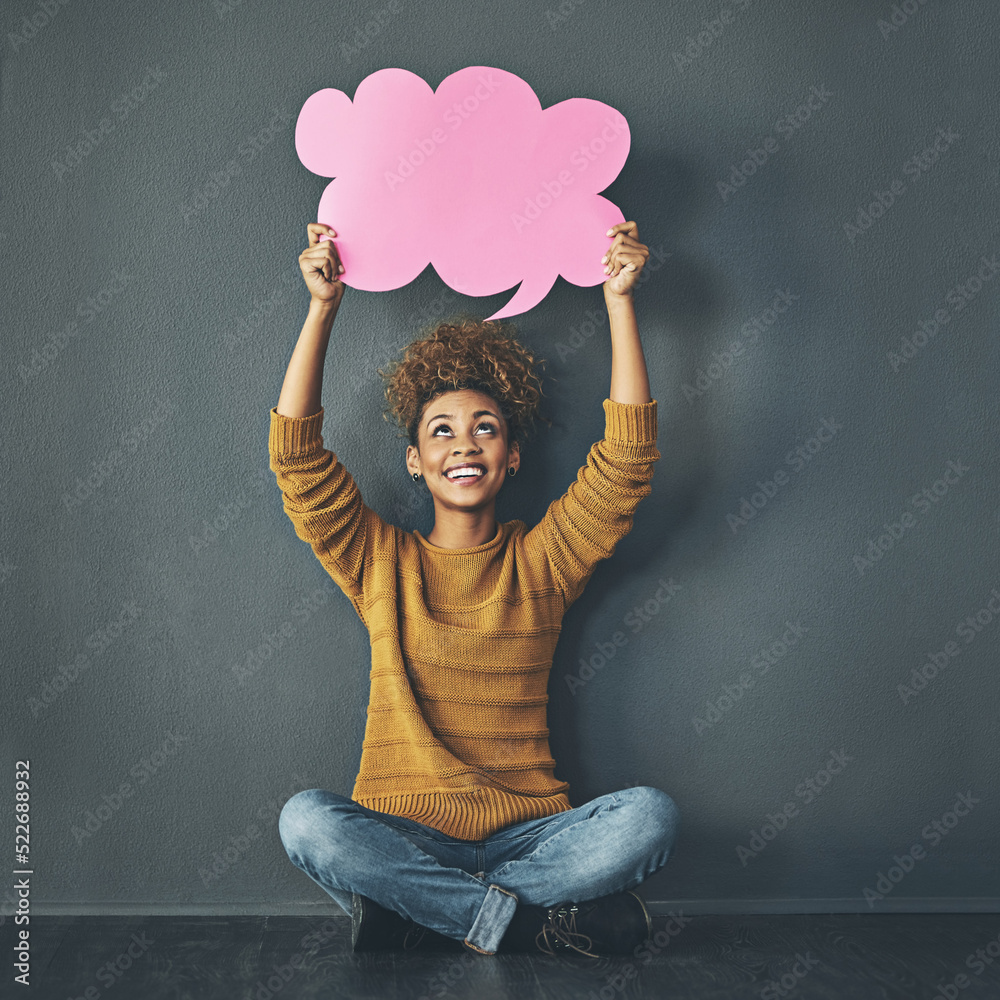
(465,352)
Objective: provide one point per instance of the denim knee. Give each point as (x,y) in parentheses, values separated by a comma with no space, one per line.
(660,817)
(297,820)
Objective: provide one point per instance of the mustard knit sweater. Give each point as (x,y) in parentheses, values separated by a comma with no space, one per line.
(462,640)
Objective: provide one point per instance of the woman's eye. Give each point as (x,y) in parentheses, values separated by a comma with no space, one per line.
(445,427)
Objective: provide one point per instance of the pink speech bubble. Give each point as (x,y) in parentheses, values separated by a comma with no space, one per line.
(475,178)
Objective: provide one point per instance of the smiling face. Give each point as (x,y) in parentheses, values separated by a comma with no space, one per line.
(463,452)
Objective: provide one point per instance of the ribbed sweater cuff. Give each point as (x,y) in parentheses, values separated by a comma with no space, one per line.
(295,435)
(634,423)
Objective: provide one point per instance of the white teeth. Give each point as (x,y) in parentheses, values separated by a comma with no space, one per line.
(464,473)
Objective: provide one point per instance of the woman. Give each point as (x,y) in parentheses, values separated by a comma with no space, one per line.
(457,829)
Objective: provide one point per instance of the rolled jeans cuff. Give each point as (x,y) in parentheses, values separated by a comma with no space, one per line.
(492,920)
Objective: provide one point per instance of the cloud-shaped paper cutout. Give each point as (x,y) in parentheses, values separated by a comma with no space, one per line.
(475,178)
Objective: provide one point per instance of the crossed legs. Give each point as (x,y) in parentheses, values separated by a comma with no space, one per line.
(469,890)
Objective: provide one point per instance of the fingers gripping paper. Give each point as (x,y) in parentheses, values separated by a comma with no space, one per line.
(475,178)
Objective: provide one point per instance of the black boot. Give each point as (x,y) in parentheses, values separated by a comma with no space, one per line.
(610,925)
(374,928)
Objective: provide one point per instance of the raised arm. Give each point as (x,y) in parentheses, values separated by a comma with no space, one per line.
(320,495)
(586,523)
(321,270)
(625,259)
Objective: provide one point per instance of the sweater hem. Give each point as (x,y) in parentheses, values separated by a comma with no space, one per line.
(474,814)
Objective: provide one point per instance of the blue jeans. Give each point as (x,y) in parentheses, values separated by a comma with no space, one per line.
(469,889)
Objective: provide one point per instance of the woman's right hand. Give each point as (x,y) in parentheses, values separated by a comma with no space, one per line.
(321,267)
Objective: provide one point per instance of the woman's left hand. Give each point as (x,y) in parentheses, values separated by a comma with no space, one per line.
(625,259)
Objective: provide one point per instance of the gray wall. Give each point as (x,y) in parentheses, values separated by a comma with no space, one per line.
(163,626)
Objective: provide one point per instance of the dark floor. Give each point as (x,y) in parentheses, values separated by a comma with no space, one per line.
(766,957)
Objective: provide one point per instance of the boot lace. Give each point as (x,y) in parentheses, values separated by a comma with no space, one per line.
(559,932)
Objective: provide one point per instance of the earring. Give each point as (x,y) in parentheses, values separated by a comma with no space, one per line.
(512,471)
(416,477)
